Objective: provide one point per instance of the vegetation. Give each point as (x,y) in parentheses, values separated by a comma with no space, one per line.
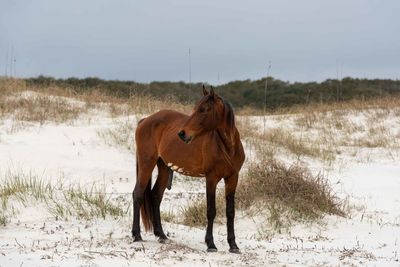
(323,127)
(289,193)
(245,93)
(60,201)
(122,135)
(195,214)
(23,106)
(284,194)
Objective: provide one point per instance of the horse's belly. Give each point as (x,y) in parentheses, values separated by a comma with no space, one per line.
(185,170)
(183,159)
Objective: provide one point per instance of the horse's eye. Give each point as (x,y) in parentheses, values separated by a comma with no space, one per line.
(202,110)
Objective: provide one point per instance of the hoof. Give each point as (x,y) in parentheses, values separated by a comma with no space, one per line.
(163,240)
(212,250)
(137,239)
(234,250)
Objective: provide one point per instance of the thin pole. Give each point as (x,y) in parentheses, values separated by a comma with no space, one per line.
(337,81)
(11,60)
(15,67)
(190,75)
(265,96)
(5,71)
(341,79)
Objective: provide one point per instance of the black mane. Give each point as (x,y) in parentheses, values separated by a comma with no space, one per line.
(229,115)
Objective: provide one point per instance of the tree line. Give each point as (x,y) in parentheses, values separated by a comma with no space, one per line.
(246,93)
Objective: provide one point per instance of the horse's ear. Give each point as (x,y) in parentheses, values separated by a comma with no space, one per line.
(212,91)
(204,90)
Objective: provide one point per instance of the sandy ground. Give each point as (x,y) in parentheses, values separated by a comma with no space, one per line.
(75,152)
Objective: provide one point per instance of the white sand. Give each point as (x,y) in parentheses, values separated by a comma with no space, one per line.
(370,237)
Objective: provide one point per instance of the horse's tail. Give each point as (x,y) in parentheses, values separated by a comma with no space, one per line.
(146,209)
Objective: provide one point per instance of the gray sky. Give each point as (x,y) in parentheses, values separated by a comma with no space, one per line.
(149,40)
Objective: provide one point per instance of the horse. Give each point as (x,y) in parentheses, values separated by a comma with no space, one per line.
(204,144)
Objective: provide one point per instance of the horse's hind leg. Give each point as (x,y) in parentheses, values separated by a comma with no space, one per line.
(143,181)
(157,195)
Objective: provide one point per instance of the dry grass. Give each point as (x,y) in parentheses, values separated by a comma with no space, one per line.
(122,135)
(8,85)
(286,194)
(4,213)
(356,253)
(168,216)
(323,132)
(298,145)
(319,131)
(21,188)
(247,128)
(195,214)
(137,103)
(52,103)
(349,128)
(27,106)
(41,109)
(308,196)
(143,104)
(61,201)
(24,186)
(354,105)
(86,204)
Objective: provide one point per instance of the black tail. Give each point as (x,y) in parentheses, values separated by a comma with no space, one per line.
(146,209)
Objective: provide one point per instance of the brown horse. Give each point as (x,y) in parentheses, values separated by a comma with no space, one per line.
(204,144)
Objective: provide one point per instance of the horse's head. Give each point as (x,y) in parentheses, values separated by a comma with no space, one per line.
(208,114)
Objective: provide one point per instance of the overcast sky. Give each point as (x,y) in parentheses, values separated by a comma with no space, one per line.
(149,40)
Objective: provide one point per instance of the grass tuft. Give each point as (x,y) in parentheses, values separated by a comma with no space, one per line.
(195,214)
(25,186)
(86,204)
(62,202)
(24,105)
(287,193)
(122,135)
(168,216)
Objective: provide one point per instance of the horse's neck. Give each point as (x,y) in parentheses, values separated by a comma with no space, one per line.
(227,139)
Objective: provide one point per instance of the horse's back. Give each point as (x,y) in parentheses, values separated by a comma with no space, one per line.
(151,129)
(160,119)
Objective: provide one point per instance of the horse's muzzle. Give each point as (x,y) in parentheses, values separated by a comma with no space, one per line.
(184,138)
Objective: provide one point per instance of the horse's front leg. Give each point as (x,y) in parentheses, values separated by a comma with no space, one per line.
(211,185)
(230,189)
